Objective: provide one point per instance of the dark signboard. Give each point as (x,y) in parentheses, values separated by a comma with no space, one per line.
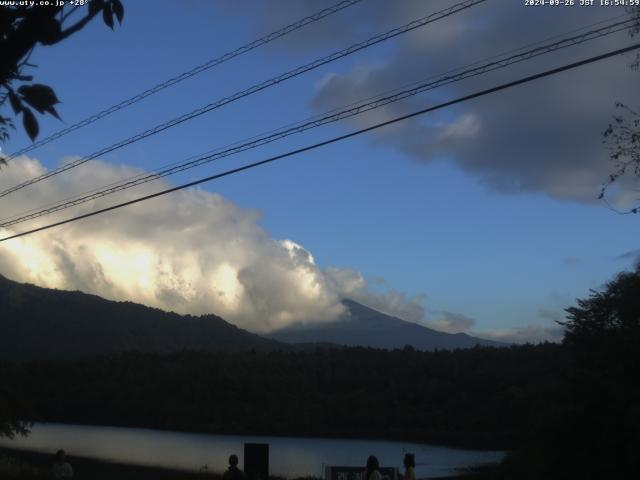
(256,461)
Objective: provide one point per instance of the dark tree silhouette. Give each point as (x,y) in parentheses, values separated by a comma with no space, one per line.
(612,315)
(589,423)
(23,28)
(12,421)
(622,136)
(591,429)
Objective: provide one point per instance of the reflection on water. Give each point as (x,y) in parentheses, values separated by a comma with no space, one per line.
(289,457)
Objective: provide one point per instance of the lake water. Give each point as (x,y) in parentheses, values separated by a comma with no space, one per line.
(288,456)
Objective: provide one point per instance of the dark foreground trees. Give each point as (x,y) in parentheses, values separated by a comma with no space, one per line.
(12,415)
(591,428)
(603,338)
(482,397)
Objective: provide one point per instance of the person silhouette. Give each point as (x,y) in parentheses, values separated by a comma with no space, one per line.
(371,470)
(233,472)
(409,463)
(61,469)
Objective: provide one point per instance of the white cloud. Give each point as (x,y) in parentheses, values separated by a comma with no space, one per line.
(528,334)
(451,322)
(191,252)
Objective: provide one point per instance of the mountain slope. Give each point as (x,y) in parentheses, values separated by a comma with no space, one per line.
(364,326)
(42,323)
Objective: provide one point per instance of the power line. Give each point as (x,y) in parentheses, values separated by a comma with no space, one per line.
(291,153)
(190,73)
(256,88)
(352,110)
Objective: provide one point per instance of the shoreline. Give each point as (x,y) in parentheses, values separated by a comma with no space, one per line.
(452,441)
(37,465)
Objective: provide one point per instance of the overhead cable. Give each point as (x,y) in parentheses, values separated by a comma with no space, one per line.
(291,153)
(330,117)
(421,22)
(188,74)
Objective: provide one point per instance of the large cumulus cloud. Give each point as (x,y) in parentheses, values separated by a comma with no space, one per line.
(191,252)
(452,322)
(195,252)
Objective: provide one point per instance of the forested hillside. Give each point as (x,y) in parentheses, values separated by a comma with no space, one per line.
(41,323)
(483,397)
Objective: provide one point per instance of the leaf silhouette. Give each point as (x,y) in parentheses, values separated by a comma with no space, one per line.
(30,123)
(41,97)
(107,15)
(118,9)
(16,103)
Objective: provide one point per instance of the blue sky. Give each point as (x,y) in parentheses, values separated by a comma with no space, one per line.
(494,225)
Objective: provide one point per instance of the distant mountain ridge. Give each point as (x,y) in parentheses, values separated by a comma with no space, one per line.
(364,326)
(43,323)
